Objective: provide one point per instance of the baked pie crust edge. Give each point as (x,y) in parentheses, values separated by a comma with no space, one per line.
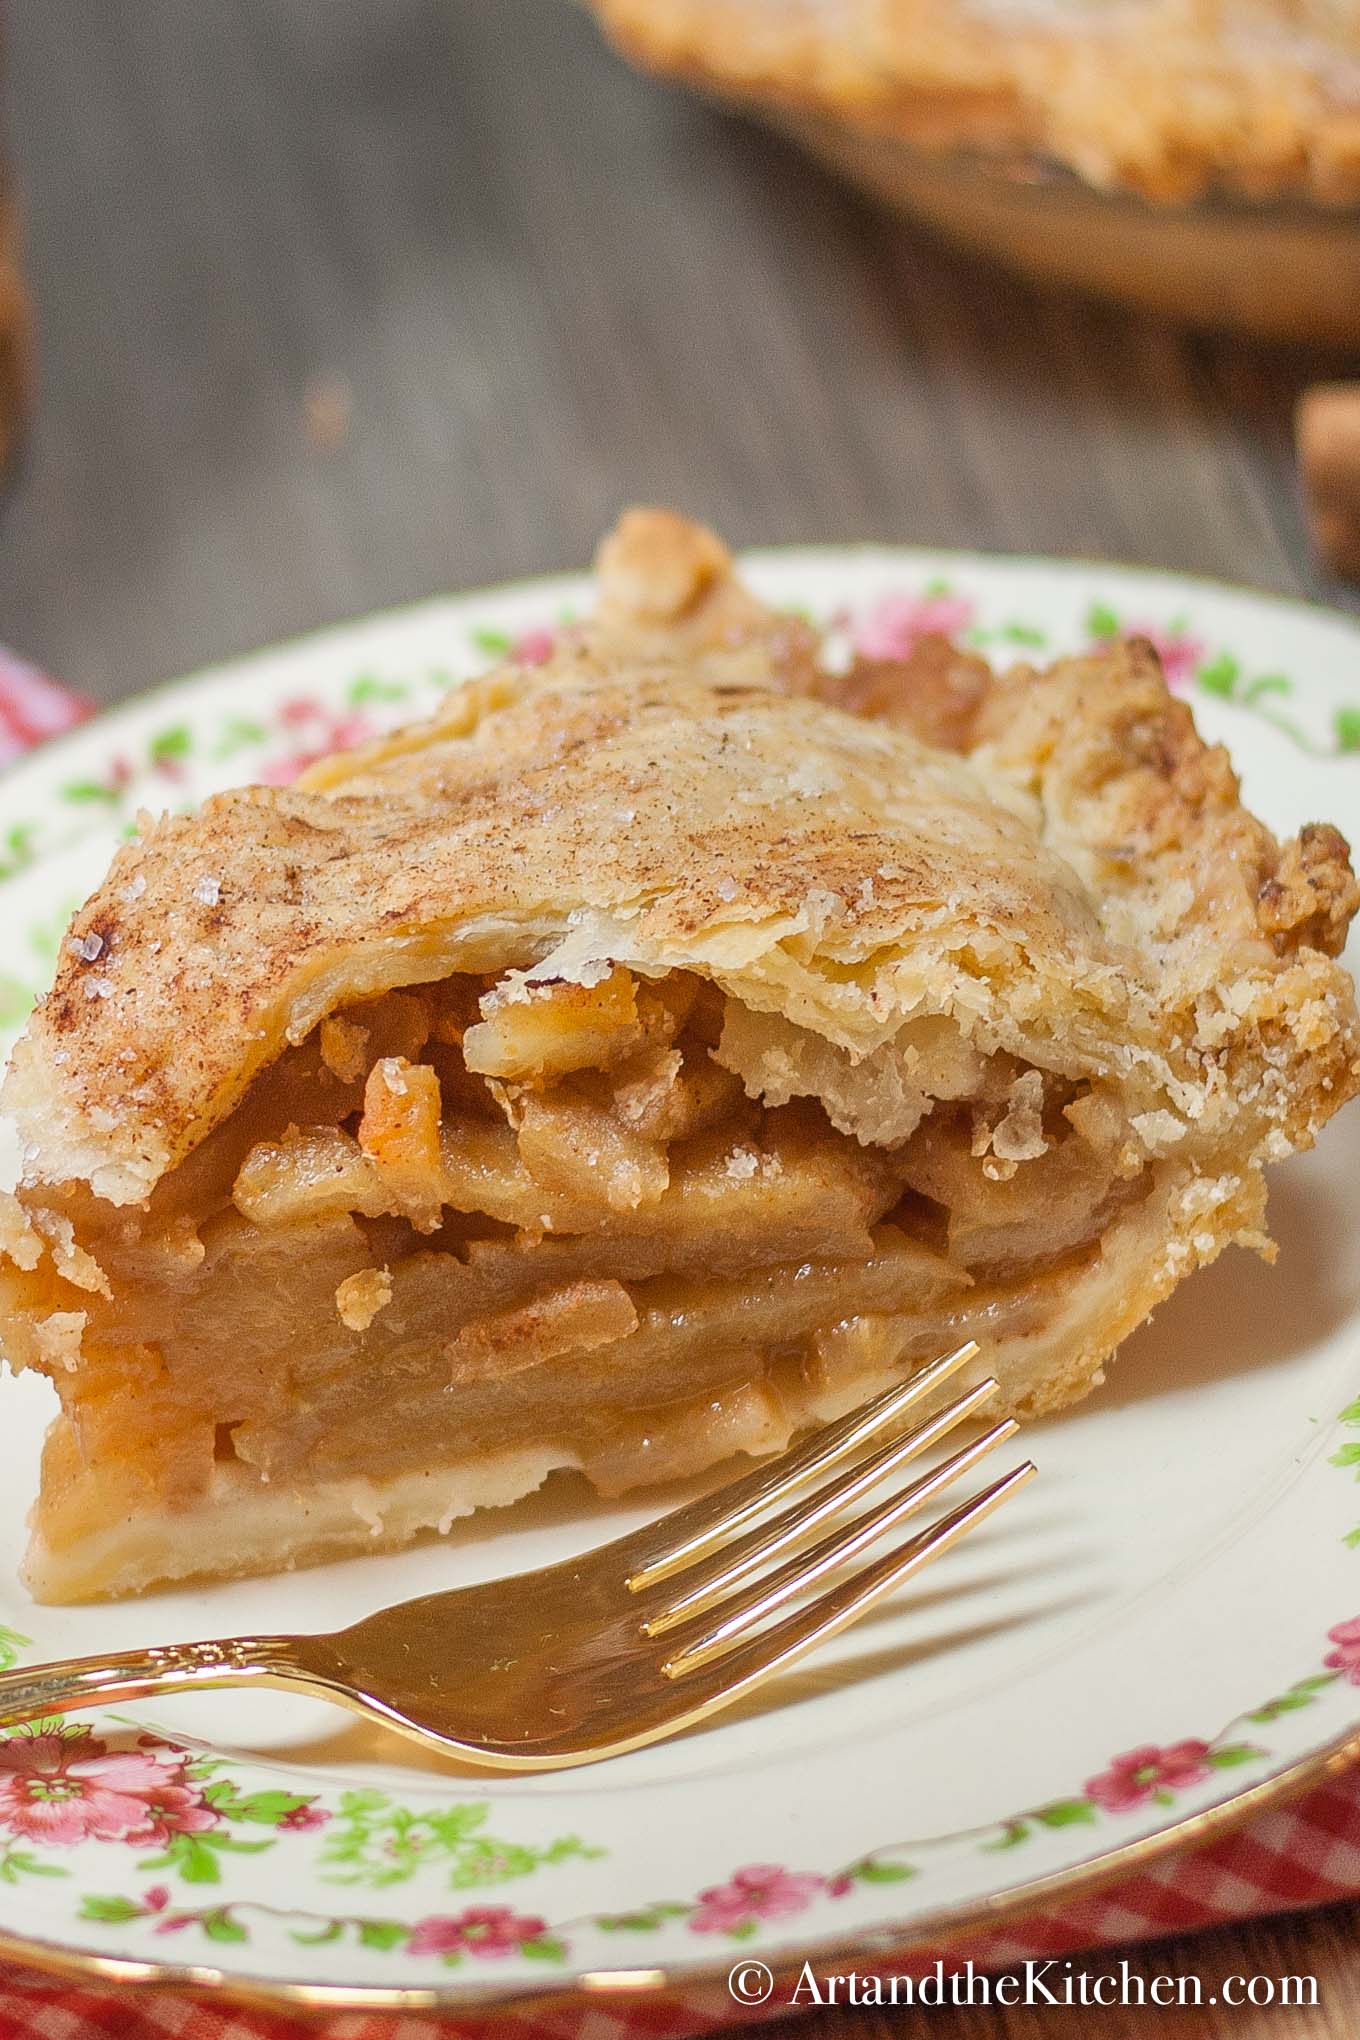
(1170,99)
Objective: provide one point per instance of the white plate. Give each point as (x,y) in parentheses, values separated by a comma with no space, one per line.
(1165,1627)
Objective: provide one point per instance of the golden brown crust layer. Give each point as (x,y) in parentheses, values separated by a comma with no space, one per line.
(1083,889)
(1166,97)
(1310,899)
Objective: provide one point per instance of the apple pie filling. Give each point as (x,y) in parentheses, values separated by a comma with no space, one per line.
(651,1200)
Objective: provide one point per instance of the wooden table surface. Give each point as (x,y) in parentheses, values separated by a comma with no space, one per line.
(544,286)
(344,302)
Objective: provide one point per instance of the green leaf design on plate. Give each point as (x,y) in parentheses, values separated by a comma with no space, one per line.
(1349,1455)
(1266,683)
(1057,1813)
(194,1857)
(113,1910)
(332,1931)
(1346,726)
(171,745)
(543,1948)
(85,792)
(190,1856)
(874,1871)
(12,1647)
(382,1934)
(646,1920)
(494,643)
(367,687)
(268,1808)
(16,1003)
(1101,621)
(1013,1832)
(16,1863)
(222,1925)
(1220,676)
(1061,1813)
(17,849)
(238,734)
(1230,1755)
(376,1842)
(1302,1693)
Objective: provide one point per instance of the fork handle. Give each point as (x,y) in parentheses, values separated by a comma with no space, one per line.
(31,1692)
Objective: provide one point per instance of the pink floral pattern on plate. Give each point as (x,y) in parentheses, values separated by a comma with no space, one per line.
(894,625)
(762,1891)
(32,707)
(316,730)
(61,1787)
(486,1931)
(1345,1656)
(1149,1773)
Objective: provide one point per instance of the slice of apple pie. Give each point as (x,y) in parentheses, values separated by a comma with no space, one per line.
(651,1055)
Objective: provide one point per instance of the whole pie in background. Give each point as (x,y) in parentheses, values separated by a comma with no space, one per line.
(1198,156)
(1169,98)
(652,1055)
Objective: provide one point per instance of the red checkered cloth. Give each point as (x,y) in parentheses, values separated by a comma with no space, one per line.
(1305,1853)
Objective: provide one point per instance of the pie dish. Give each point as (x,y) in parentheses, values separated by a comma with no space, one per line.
(649,1055)
(1197,159)
(1167,98)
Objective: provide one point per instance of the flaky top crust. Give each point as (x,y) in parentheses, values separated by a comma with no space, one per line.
(1082,888)
(1165,97)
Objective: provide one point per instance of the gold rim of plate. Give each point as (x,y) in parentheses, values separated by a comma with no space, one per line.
(1277,268)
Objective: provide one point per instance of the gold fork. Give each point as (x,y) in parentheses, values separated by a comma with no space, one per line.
(626,1644)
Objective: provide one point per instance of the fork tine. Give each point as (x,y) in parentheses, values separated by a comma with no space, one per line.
(840,1606)
(694,1531)
(714,1581)
(811,1567)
